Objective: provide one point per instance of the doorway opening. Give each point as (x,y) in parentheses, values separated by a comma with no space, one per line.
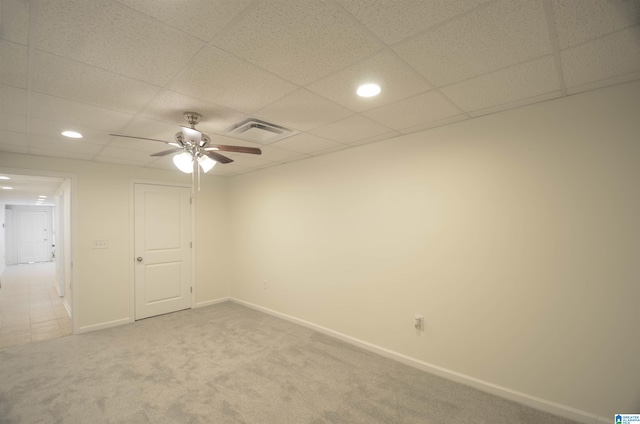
(35,259)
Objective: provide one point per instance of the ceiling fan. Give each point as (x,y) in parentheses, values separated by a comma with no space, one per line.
(193,148)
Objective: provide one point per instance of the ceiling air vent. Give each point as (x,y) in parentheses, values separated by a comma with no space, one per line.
(258,131)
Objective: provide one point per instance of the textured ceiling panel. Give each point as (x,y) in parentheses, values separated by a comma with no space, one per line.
(393,21)
(61,77)
(427,107)
(487,39)
(12,122)
(13,65)
(309,144)
(303,110)
(607,57)
(584,20)
(68,112)
(111,36)
(351,129)
(514,83)
(11,138)
(214,72)
(13,100)
(200,18)
(397,80)
(135,66)
(300,40)
(14,21)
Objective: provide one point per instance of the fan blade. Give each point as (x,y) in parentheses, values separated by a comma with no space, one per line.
(167,152)
(237,149)
(218,157)
(140,138)
(194,136)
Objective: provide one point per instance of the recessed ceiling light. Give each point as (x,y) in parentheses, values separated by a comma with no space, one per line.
(7,188)
(368,90)
(71,134)
(42,197)
(2,177)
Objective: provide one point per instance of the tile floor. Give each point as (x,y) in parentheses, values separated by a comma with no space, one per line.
(30,308)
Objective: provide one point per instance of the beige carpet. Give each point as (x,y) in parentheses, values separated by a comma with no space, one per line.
(229,364)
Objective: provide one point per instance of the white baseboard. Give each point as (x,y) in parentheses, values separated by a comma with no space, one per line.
(211,302)
(65,303)
(103,325)
(523,398)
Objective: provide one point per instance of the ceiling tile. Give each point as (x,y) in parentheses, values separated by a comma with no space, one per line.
(517,103)
(584,20)
(220,78)
(12,122)
(309,144)
(11,138)
(14,21)
(13,66)
(275,154)
(393,21)
(10,148)
(111,36)
(610,56)
(397,80)
(53,130)
(170,106)
(120,161)
(418,110)
(434,124)
(300,40)
(507,85)
(85,84)
(351,129)
(303,110)
(73,113)
(57,153)
(13,100)
(485,40)
(128,155)
(200,18)
(63,144)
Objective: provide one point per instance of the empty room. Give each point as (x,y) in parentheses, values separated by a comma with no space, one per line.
(320,211)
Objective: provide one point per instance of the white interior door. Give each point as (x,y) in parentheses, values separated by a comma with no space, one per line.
(162,226)
(34,236)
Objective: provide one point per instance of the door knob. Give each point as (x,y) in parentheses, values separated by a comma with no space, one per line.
(139,259)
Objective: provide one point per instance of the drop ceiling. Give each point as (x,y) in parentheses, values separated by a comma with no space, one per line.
(134,66)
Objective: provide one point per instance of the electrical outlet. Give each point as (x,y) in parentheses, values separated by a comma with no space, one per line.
(101,244)
(418,322)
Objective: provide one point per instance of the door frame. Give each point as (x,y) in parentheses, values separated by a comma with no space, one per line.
(72,243)
(132,244)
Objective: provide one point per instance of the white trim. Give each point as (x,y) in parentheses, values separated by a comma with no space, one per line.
(67,307)
(211,302)
(102,326)
(523,398)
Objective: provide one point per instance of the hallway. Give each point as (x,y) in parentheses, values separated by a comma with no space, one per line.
(30,308)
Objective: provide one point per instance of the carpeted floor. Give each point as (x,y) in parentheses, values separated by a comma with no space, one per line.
(230,364)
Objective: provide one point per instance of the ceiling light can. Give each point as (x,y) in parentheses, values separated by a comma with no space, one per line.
(368,90)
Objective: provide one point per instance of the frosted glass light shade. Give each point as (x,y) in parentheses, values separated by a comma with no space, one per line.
(184,162)
(206,163)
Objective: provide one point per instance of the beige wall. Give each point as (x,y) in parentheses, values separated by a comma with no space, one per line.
(517,235)
(103,284)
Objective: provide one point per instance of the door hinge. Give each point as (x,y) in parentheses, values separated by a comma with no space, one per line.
(191,200)
(191,289)
(191,244)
